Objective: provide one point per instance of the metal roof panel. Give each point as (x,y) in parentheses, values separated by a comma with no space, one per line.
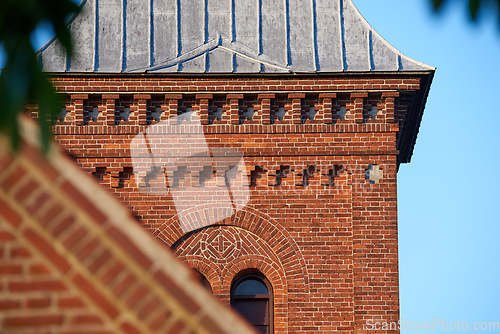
(252,36)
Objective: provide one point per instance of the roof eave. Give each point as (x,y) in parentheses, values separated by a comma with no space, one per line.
(233,74)
(414,119)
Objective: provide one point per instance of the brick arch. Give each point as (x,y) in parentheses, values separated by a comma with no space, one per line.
(254,221)
(272,273)
(224,251)
(211,274)
(268,268)
(253,253)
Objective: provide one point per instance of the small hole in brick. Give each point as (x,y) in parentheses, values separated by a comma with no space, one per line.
(231,174)
(206,174)
(178,175)
(91,109)
(281,113)
(218,113)
(374,174)
(216,109)
(246,109)
(256,174)
(60,116)
(342,112)
(184,116)
(99,173)
(214,113)
(154,109)
(277,112)
(281,174)
(150,175)
(90,115)
(247,115)
(124,176)
(373,112)
(122,109)
(156,114)
(308,115)
(308,173)
(122,114)
(94,114)
(334,173)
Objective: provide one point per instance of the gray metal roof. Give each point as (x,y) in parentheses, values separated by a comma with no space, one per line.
(224,36)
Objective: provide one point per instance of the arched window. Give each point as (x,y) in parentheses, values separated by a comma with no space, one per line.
(252,297)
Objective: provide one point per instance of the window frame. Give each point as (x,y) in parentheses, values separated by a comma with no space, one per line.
(245,275)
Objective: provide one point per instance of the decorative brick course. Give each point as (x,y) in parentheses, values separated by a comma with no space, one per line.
(62,261)
(321,156)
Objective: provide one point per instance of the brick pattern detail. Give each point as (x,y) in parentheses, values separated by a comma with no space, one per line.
(67,266)
(323,234)
(256,93)
(221,252)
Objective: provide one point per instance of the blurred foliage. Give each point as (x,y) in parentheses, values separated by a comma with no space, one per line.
(21,79)
(474,7)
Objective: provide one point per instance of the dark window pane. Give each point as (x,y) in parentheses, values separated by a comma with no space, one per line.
(251,298)
(255,311)
(251,287)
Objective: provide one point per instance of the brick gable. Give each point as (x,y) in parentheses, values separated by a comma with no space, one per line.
(73,260)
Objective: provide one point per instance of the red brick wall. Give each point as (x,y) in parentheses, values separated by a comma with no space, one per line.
(72,260)
(328,247)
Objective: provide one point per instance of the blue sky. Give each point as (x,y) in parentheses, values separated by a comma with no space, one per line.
(449,231)
(449,224)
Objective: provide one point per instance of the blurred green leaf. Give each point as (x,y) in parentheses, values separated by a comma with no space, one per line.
(21,79)
(474,7)
(437,4)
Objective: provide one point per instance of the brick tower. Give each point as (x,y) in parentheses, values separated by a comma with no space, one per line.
(259,140)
